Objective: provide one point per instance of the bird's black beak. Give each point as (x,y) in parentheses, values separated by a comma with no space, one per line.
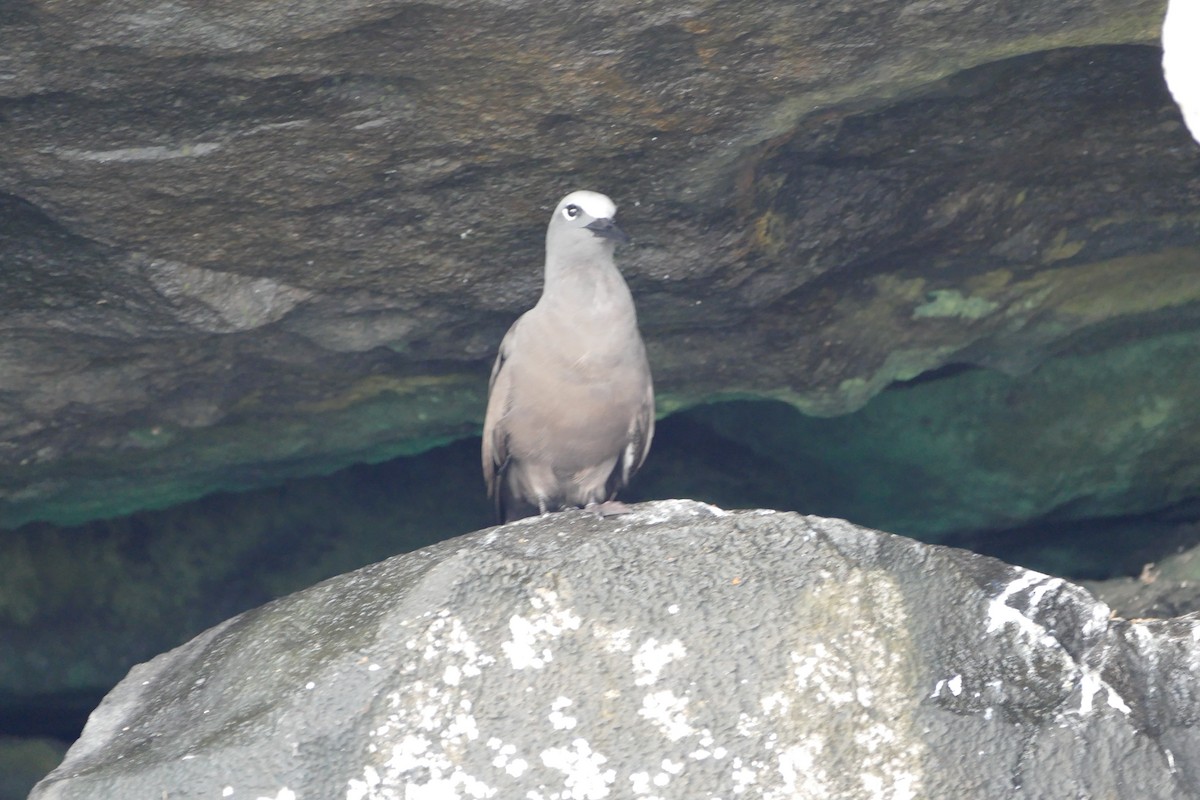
(607,229)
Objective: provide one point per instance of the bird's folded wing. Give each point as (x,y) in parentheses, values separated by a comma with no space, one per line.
(495,437)
(641,433)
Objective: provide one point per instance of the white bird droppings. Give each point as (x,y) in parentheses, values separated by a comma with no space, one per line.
(561,721)
(283,794)
(527,649)
(1000,613)
(652,657)
(584,776)
(668,713)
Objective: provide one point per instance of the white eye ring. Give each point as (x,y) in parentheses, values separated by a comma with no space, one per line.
(572,211)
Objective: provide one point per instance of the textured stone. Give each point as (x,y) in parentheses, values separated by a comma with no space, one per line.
(1166,588)
(679,650)
(254,240)
(1083,436)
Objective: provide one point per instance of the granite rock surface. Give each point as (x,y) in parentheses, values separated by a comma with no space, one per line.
(679,651)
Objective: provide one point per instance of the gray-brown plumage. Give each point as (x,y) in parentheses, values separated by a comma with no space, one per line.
(571,404)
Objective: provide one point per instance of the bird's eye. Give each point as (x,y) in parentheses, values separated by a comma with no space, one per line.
(571,212)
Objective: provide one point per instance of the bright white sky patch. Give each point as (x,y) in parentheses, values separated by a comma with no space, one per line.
(1181,59)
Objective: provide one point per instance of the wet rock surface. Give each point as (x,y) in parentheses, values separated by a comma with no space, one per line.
(681,648)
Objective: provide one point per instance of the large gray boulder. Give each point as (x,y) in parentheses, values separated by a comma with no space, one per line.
(677,652)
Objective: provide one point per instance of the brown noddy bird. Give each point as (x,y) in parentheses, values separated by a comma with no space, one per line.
(570,407)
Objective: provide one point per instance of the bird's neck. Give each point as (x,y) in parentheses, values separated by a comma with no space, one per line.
(580,273)
(588,288)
